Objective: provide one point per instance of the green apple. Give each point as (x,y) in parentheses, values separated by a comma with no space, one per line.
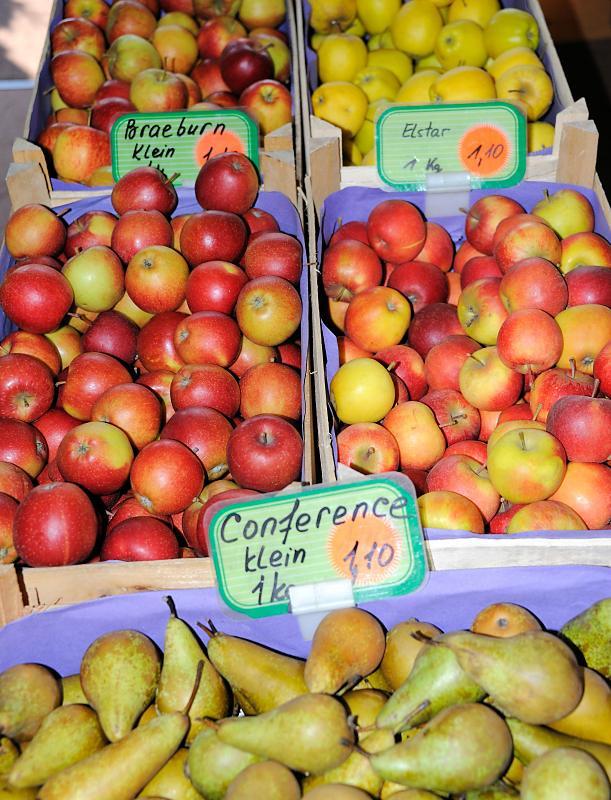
(96,277)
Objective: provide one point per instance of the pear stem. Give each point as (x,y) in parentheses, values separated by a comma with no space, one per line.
(354,746)
(419,636)
(198,680)
(209,629)
(171,605)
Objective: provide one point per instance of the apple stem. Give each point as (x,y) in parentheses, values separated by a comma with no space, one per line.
(60,383)
(595,387)
(480,470)
(172,178)
(370,451)
(208,629)
(391,366)
(573,364)
(522,439)
(467,212)
(537,411)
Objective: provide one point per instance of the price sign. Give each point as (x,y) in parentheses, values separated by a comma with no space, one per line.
(180,141)
(486,140)
(367,531)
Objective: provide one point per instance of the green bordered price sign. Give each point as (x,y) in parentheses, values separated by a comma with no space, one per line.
(180,141)
(486,140)
(367,531)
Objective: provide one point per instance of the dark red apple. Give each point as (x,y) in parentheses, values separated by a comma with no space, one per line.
(140,539)
(21,444)
(589,285)
(583,427)
(211,236)
(422,283)
(274,253)
(145,189)
(36,298)
(113,333)
(104,113)
(155,344)
(205,385)
(136,230)
(431,325)
(206,432)
(214,286)
(27,387)
(264,453)
(227,182)
(244,62)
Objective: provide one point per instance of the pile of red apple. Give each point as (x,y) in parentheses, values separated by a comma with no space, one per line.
(497,360)
(154,372)
(109,59)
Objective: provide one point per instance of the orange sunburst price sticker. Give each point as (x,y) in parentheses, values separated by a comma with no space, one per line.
(484,150)
(365,551)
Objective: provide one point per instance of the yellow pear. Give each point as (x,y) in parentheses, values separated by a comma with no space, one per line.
(376,15)
(463,85)
(332,16)
(378,83)
(416,27)
(365,137)
(428,62)
(416,90)
(592,717)
(515,57)
(381,40)
(399,63)
(511,27)
(341,103)
(528,85)
(340,57)
(480,11)
(540,135)
(461,43)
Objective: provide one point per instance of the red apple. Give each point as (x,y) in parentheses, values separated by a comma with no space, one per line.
(74,33)
(450,511)
(144,189)
(602,369)
(377,318)
(133,408)
(545,515)
(583,426)
(264,453)
(89,376)
(206,432)
(36,298)
(534,283)
(421,442)
(431,325)
(524,352)
(206,385)
(209,509)
(79,151)
(90,229)
(208,337)
(32,344)
(129,17)
(48,136)
(159,381)
(211,236)
(34,230)
(589,285)
(269,102)
(105,112)
(8,509)
(268,310)
(156,279)
(216,33)
(214,286)
(520,410)
(21,444)
(527,240)
(355,229)
(208,9)
(396,230)
(14,481)
(274,253)
(465,476)
(483,218)
(584,249)
(553,384)
(348,267)
(27,387)
(128,507)
(438,247)
(251,354)
(94,10)
(156,348)
(586,488)
(207,75)
(244,62)
(474,448)
(271,389)
(406,364)
(422,283)
(501,520)
(77,77)
(456,418)
(114,334)
(97,456)
(112,88)
(479,267)
(54,424)
(194,93)
(166,476)
(465,253)
(368,447)
(259,220)
(136,230)
(227,182)
(140,539)
(487,383)
(444,360)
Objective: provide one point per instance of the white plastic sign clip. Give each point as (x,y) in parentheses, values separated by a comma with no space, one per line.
(447,193)
(310,602)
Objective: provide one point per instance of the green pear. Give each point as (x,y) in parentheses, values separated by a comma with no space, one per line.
(532,741)
(119,675)
(498,791)
(411,794)
(591,632)
(348,644)
(261,679)
(336,791)
(8,792)
(120,770)
(365,705)
(212,764)
(463,747)
(436,681)
(9,753)
(67,735)
(268,780)
(402,647)
(533,676)
(566,773)
(310,733)
(182,654)
(28,692)
(72,691)
(171,782)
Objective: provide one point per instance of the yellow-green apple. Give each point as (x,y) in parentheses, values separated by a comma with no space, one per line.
(273,253)
(479,267)
(89,376)
(529,86)
(271,389)
(584,249)
(355,229)
(156,279)
(96,278)
(602,369)
(487,383)
(348,267)
(130,17)
(396,230)
(27,387)
(444,360)
(244,62)
(483,218)
(546,515)
(77,116)
(534,283)
(377,318)
(465,253)
(156,348)
(227,182)
(95,11)
(278,50)
(23,445)
(113,333)
(34,230)
(36,298)
(137,229)
(140,539)
(79,151)
(153,476)
(449,511)
(586,329)
(206,432)
(368,448)
(216,33)
(144,189)
(96,456)
(213,235)
(155,90)
(583,425)
(512,425)
(268,310)
(481,311)
(8,509)
(589,285)
(527,240)
(14,481)
(91,228)
(55,525)
(160,381)
(101,176)
(32,344)
(525,351)
(406,364)
(129,55)
(501,520)
(77,77)
(207,9)
(68,342)
(269,102)
(207,75)
(337,313)
(362,390)
(455,416)
(208,337)
(526,465)
(421,282)
(205,385)
(438,247)
(74,33)
(178,17)
(54,425)
(465,476)
(251,354)
(586,489)
(431,325)
(421,442)
(555,383)
(133,408)
(177,47)
(258,13)
(567,211)
(474,448)
(264,453)
(194,93)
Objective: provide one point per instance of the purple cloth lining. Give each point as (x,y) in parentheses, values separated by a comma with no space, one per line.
(449,599)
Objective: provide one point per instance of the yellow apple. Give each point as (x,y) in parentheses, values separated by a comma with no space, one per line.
(416,89)
(449,511)
(511,27)
(352,154)
(376,15)
(332,16)
(586,329)
(316,40)
(529,85)
(480,11)
(512,425)
(463,85)
(400,64)
(540,135)
(365,138)
(129,309)
(56,100)
(378,83)
(516,57)
(369,159)
(179,18)
(416,27)
(362,390)
(381,40)
(441,4)
(341,103)
(461,43)
(428,62)
(340,57)
(356,28)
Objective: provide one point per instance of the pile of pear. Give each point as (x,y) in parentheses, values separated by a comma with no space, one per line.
(505,709)
(371,53)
